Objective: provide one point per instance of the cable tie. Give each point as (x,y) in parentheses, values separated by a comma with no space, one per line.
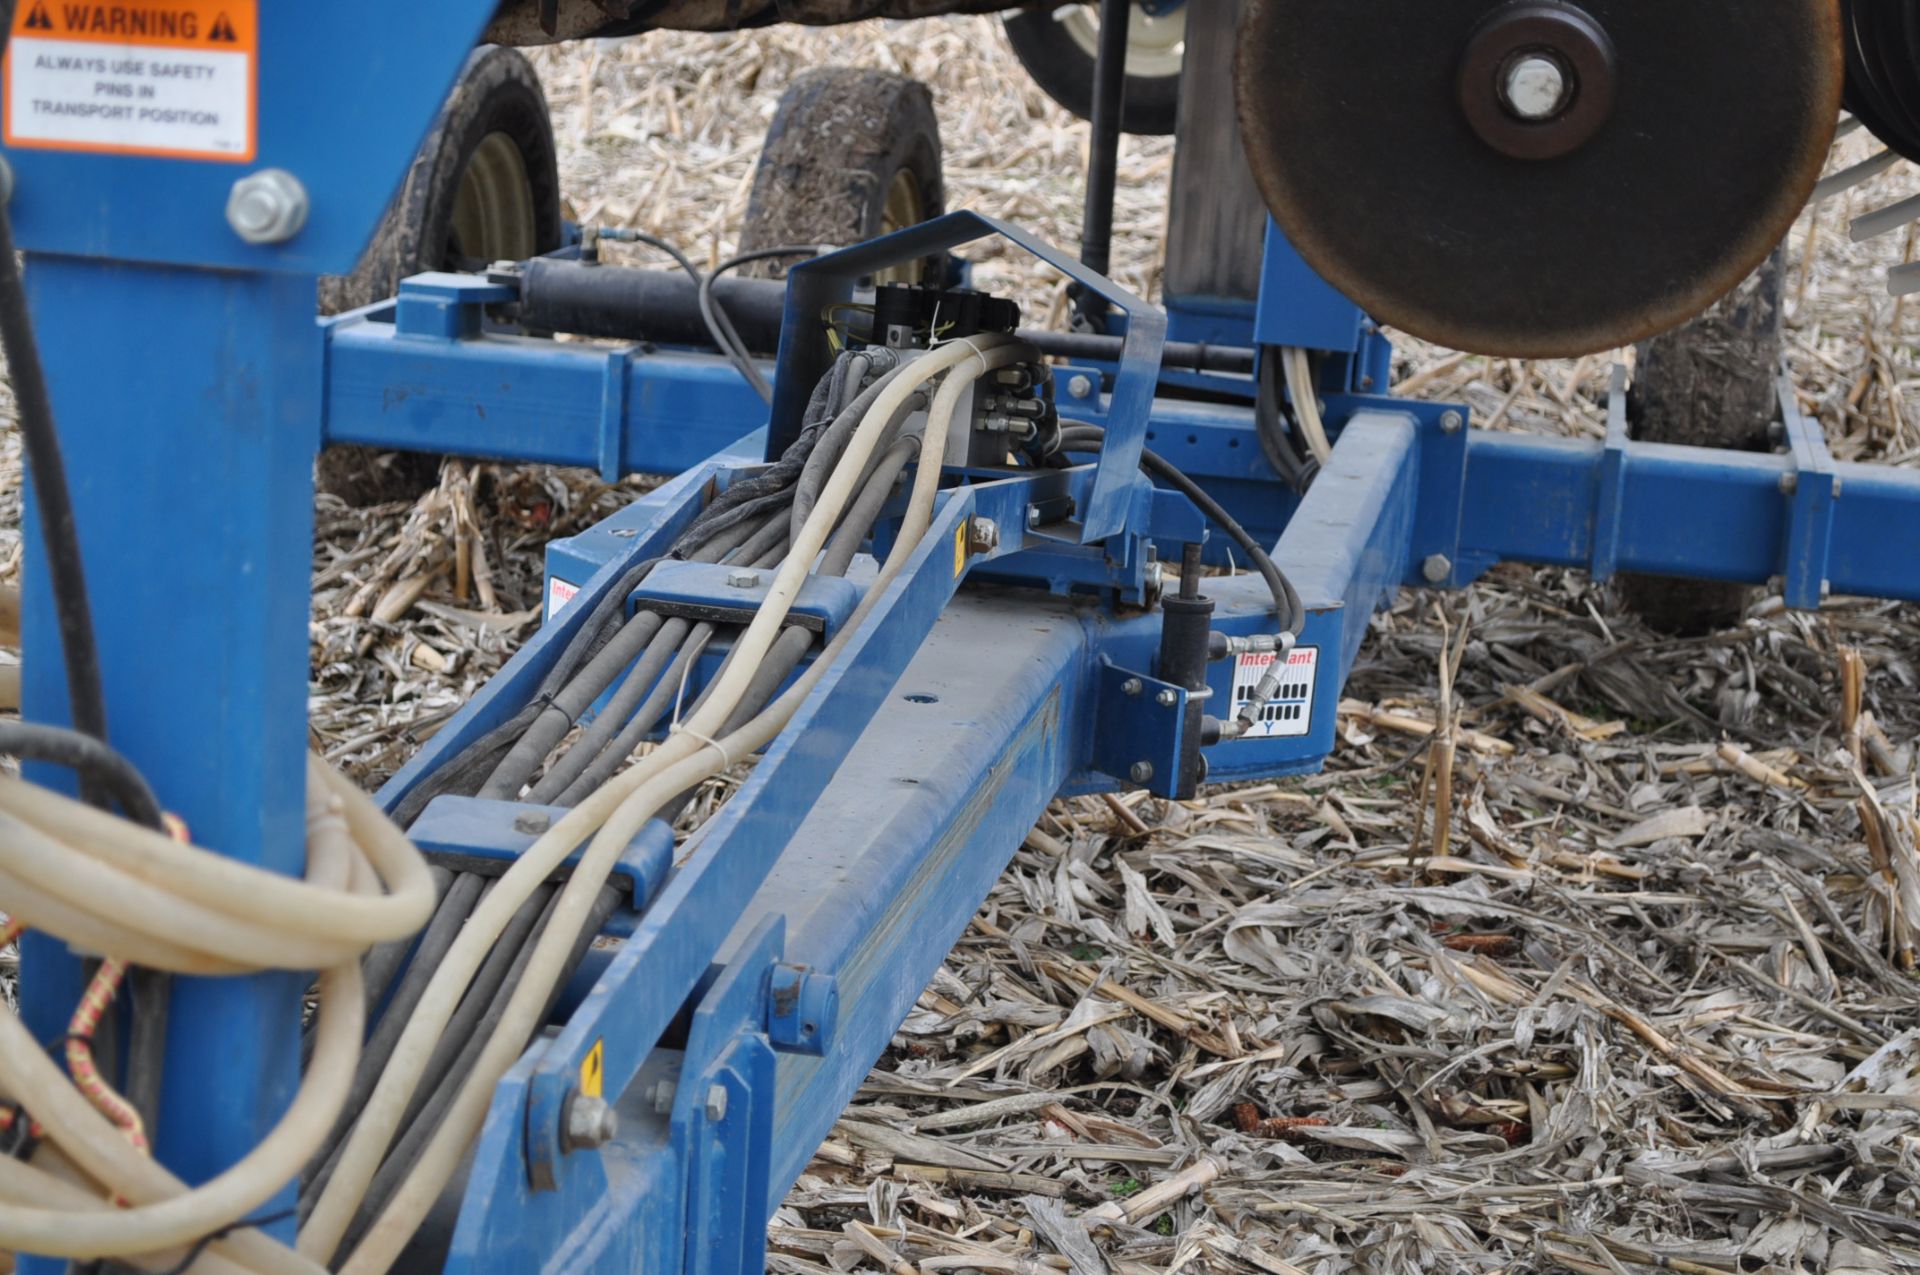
(726,758)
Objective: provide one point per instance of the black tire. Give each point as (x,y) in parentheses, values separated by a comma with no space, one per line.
(1062,65)
(850,154)
(484,186)
(1711,383)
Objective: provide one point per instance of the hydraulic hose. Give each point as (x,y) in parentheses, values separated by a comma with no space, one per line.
(612,814)
(104,884)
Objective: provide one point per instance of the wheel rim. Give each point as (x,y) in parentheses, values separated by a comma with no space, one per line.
(1155,46)
(905,206)
(493,217)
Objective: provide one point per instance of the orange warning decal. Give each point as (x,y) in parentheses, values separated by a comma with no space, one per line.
(184,24)
(153,77)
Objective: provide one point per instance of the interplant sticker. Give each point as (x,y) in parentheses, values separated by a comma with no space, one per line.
(156,77)
(1290,713)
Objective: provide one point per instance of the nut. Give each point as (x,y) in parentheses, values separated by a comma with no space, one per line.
(663,1094)
(1789,483)
(716,1102)
(983,535)
(1437,569)
(1142,772)
(1167,698)
(1451,421)
(1080,386)
(533,822)
(267,207)
(591,1122)
(743,579)
(1132,686)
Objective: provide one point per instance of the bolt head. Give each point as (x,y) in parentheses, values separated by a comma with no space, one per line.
(716,1102)
(591,1122)
(1033,516)
(663,1094)
(1142,772)
(533,822)
(267,207)
(1437,569)
(1535,87)
(743,579)
(1167,698)
(983,535)
(1451,422)
(1080,386)
(1789,483)
(1132,686)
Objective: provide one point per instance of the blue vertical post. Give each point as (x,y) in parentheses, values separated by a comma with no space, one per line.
(188,406)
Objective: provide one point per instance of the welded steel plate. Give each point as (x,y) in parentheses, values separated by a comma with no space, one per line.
(1536,179)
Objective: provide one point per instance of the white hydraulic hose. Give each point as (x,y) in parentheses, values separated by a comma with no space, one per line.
(441,1157)
(1306,401)
(375,1128)
(71,871)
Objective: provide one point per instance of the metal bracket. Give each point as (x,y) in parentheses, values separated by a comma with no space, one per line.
(1141,728)
(722,594)
(477,834)
(1812,488)
(450,307)
(830,280)
(1613,461)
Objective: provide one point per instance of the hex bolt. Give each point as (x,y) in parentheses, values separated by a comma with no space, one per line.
(1033,516)
(1080,386)
(1437,569)
(663,1095)
(743,579)
(591,1122)
(716,1102)
(533,822)
(1789,483)
(1451,421)
(1132,686)
(267,207)
(1535,87)
(983,535)
(1142,772)
(1167,698)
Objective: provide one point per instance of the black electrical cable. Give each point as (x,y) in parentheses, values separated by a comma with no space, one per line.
(607,722)
(709,309)
(718,322)
(1286,602)
(97,763)
(46,465)
(644,719)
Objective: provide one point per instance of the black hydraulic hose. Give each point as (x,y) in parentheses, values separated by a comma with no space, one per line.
(99,766)
(1291,613)
(833,443)
(522,930)
(617,711)
(1270,427)
(462,896)
(560,714)
(467,769)
(383,964)
(866,507)
(413,1141)
(603,765)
